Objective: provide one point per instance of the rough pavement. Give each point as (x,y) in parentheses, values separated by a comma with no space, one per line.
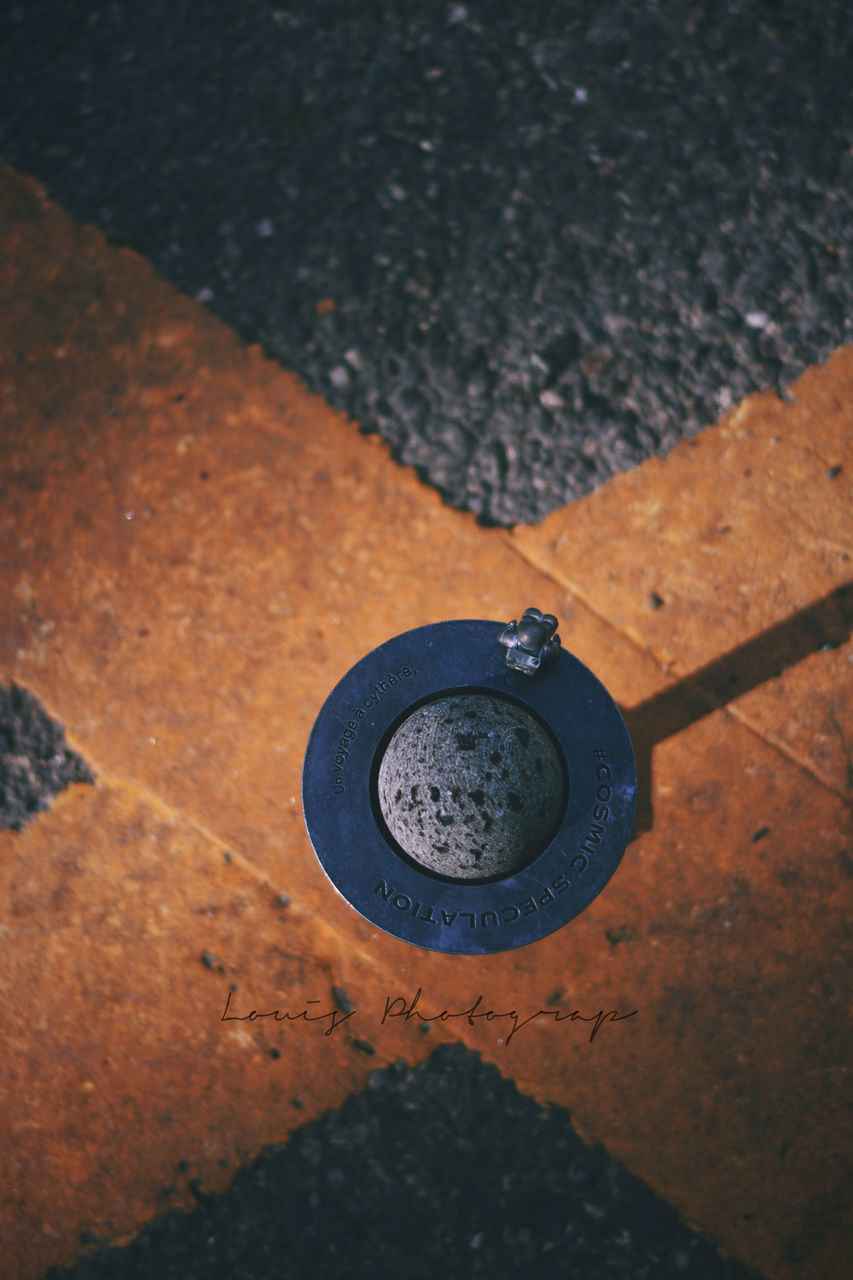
(529,249)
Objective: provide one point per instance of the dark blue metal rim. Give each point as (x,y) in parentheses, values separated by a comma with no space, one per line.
(411,903)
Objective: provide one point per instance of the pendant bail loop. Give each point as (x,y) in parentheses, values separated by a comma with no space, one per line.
(532,643)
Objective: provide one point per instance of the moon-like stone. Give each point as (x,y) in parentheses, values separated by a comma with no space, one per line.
(471,786)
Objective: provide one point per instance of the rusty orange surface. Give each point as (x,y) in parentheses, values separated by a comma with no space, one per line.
(195,549)
(135,947)
(738,531)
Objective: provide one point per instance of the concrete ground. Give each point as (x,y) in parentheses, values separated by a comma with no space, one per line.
(195,548)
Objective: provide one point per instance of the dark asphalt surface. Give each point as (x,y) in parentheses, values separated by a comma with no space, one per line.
(444,1170)
(530,246)
(36,762)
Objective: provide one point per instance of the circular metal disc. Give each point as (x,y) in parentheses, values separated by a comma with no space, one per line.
(358,854)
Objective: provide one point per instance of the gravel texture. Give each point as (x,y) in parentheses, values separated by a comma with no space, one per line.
(35,761)
(529,245)
(366,1193)
(471,787)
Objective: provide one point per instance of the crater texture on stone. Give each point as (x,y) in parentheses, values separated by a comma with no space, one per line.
(471,786)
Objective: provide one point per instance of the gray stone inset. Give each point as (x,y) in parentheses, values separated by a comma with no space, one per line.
(471,786)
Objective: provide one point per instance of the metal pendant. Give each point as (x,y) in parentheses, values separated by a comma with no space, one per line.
(470,787)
